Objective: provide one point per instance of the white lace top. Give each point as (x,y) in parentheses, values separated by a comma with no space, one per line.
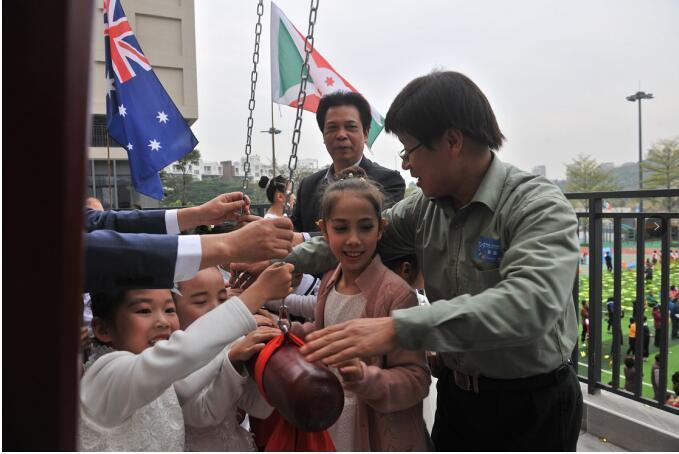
(340,308)
(128,402)
(157,426)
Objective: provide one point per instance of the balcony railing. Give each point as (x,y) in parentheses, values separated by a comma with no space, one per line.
(662,228)
(100,133)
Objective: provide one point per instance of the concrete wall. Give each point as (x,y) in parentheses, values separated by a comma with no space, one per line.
(166,33)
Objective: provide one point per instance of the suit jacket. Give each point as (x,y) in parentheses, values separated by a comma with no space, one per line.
(128,250)
(136,221)
(307,206)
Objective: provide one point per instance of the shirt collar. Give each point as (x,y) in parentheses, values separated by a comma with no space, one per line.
(330,173)
(488,192)
(490,189)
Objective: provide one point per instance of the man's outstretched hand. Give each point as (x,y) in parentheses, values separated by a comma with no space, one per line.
(359,338)
(224,207)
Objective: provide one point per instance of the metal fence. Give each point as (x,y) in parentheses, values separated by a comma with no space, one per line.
(99,133)
(595,217)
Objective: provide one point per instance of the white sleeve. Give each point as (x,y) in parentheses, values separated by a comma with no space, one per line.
(171,222)
(119,383)
(218,399)
(189,253)
(190,386)
(253,402)
(299,305)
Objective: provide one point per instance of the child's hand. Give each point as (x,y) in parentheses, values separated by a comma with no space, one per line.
(265,318)
(244,349)
(351,371)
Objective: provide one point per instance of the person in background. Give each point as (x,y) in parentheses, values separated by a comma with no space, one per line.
(630,374)
(673,292)
(646,333)
(275,194)
(657,324)
(674,316)
(94,203)
(631,336)
(610,310)
(344,119)
(655,378)
(584,320)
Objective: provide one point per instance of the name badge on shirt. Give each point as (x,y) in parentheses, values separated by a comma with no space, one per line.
(488,251)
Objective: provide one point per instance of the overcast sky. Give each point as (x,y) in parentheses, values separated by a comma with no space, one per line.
(556,73)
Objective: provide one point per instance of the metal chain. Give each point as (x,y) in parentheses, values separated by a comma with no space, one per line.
(253,86)
(301,98)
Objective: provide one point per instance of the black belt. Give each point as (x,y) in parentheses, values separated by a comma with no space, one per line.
(481,385)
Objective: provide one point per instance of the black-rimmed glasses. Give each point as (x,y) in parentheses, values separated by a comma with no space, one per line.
(405,153)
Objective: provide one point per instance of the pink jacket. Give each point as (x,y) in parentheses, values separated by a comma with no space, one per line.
(393,385)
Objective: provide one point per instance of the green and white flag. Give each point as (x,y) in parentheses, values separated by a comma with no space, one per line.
(287,57)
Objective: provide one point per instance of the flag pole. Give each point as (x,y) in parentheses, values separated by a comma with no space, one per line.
(273,142)
(108,160)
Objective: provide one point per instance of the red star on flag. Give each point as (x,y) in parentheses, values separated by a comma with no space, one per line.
(329,81)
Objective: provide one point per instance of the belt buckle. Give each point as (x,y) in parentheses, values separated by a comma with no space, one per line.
(466,382)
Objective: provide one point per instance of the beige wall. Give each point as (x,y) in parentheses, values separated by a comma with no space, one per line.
(165,30)
(101,153)
(166,33)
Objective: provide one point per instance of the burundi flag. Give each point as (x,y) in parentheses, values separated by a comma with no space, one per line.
(287,57)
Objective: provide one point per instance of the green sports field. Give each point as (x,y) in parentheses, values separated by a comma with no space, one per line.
(628,296)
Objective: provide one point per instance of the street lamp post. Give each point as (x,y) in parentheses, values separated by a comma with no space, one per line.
(638,96)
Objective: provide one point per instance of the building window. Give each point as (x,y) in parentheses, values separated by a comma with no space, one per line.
(195,172)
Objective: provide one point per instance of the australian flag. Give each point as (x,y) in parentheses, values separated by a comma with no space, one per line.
(140,114)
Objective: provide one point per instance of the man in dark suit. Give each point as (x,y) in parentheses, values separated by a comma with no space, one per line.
(141,249)
(344,119)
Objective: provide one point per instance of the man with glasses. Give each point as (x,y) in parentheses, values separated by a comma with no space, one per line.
(344,119)
(499,254)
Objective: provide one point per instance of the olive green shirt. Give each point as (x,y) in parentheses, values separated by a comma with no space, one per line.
(499,273)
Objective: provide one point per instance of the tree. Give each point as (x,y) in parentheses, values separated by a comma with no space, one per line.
(184,164)
(584,174)
(411,188)
(661,167)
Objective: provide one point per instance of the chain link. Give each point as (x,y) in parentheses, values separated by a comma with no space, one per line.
(301,98)
(253,86)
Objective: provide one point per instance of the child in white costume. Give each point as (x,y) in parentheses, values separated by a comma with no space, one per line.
(211,396)
(127,398)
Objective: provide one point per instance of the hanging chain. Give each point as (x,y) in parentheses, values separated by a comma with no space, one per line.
(301,98)
(253,85)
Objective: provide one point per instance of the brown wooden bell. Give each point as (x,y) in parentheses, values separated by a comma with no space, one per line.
(308,395)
